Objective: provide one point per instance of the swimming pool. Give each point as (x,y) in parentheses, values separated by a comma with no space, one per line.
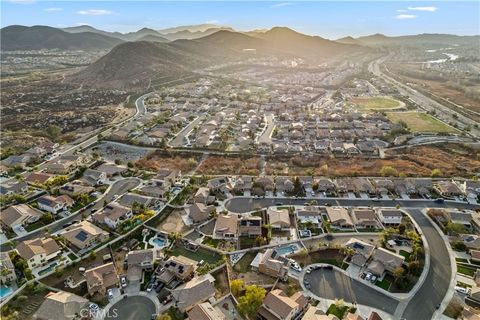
(5,291)
(49,269)
(283,251)
(158,242)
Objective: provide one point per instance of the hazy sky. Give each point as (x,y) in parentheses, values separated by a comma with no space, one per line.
(330,19)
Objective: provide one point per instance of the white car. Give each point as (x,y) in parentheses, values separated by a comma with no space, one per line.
(294,266)
(123,281)
(110,294)
(461,290)
(93,307)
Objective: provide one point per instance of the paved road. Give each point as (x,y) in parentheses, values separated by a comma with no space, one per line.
(434,288)
(333,284)
(132,308)
(177,141)
(246,204)
(119,187)
(266,136)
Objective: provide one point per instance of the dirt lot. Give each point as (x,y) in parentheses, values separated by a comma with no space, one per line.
(173,223)
(229,165)
(222,287)
(452,160)
(161,160)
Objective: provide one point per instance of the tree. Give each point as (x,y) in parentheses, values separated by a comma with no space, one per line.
(164,316)
(398,272)
(54,131)
(455,228)
(436,173)
(251,301)
(388,171)
(237,286)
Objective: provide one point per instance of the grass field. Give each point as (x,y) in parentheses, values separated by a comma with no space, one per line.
(376,104)
(420,122)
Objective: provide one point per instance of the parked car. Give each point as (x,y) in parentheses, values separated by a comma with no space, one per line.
(167,299)
(461,290)
(159,287)
(439,200)
(110,294)
(150,287)
(294,266)
(307,284)
(123,280)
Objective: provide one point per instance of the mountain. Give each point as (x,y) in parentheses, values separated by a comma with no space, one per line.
(152,38)
(419,39)
(349,40)
(42,37)
(131,36)
(187,34)
(311,47)
(191,28)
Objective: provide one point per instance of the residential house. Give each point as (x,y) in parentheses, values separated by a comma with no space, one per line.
(325,185)
(199,212)
(203,196)
(314,313)
(156,188)
(55,204)
(362,251)
(111,169)
(129,199)
(37,178)
(266,183)
(7,269)
(168,176)
(390,217)
(75,188)
(38,252)
(448,189)
(363,185)
(180,267)
(471,189)
(383,186)
(404,187)
(9,188)
(250,226)
(278,306)
(339,218)
(17,161)
(113,215)
(19,214)
(365,218)
(205,311)
(84,234)
(384,261)
(283,185)
(64,165)
(218,184)
(226,226)
(310,214)
(423,186)
(62,305)
(242,184)
(270,263)
(94,177)
(137,262)
(344,185)
(101,278)
(195,291)
(278,219)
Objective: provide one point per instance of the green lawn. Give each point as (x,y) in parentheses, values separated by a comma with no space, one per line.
(201,254)
(384,284)
(405,254)
(243,265)
(465,270)
(461,260)
(247,242)
(376,103)
(211,242)
(34,226)
(338,312)
(420,122)
(72,256)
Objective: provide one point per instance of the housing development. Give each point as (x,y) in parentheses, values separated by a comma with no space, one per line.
(203,172)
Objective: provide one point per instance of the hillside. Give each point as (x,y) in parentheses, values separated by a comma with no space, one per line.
(131,36)
(190,35)
(42,37)
(152,38)
(311,47)
(419,39)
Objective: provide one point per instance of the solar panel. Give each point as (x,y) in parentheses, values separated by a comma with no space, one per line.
(82,235)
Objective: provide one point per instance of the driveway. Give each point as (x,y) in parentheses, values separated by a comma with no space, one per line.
(333,284)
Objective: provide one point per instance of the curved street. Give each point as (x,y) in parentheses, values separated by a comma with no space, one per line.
(432,291)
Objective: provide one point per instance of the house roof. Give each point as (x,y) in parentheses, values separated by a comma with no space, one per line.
(138,256)
(61,306)
(199,212)
(104,275)
(339,215)
(20,211)
(38,177)
(277,301)
(113,211)
(30,248)
(226,223)
(278,217)
(82,232)
(314,313)
(194,291)
(205,311)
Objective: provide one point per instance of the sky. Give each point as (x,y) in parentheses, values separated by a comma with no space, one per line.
(329,19)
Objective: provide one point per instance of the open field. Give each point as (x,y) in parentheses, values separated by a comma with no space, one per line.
(161,160)
(229,165)
(376,103)
(420,122)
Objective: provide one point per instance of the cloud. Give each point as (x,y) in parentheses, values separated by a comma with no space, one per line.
(94,12)
(53,9)
(430,9)
(405,16)
(281,4)
(212,22)
(402,10)
(82,24)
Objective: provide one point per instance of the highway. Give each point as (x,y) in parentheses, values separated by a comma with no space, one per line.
(436,284)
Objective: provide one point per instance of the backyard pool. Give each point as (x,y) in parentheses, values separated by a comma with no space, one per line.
(50,268)
(158,242)
(283,251)
(5,291)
